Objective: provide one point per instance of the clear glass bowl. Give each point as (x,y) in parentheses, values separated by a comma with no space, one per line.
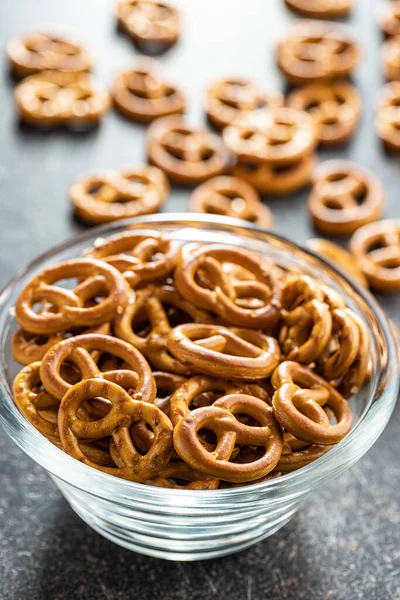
(187,524)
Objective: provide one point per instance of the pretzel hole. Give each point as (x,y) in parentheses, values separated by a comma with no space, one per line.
(249,167)
(360,195)
(247,135)
(176,316)
(312,105)
(282,169)
(333,204)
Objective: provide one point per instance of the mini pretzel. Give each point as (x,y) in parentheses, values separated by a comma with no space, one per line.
(335,106)
(229,353)
(228,298)
(293,458)
(388,115)
(71,310)
(231,197)
(298,405)
(276,136)
(221,419)
(227,99)
(166,385)
(343,347)
(391,59)
(322,9)
(112,195)
(141,257)
(35,52)
(359,370)
(339,257)
(344,197)
(151,24)
(142,94)
(314,51)
(390,18)
(52,98)
(182,472)
(124,411)
(376,247)
(186,154)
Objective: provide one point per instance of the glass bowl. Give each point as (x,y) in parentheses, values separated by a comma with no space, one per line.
(188,524)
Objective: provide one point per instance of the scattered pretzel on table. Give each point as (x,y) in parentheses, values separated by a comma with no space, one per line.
(389,19)
(322,9)
(388,115)
(391,58)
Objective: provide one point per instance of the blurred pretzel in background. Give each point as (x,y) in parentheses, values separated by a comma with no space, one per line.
(388,116)
(321,9)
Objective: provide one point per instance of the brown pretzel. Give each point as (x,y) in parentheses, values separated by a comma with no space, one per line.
(376,247)
(70,304)
(35,52)
(141,257)
(344,197)
(227,99)
(391,59)
(388,115)
(321,9)
(389,19)
(151,24)
(124,411)
(186,154)
(343,347)
(339,257)
(298,405)
(313,51)
(229,298)
(229,353)
(220,418)
(154,304)
(335,106)
(276,136)
(231,197)
(142,93)
(112,195)
(359,370)
(180,471)
(297,454)
(52,98)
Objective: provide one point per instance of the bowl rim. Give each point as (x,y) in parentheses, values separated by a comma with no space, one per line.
(314,473)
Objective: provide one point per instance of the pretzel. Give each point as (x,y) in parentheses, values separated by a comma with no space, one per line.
(335,106)
(71,310)
(221,419)
(293,457)
(339,257)
(277,136)
(142,94)
(231,197)
(343,347)
(229,353)
(52,98)
(389,20)
(187,155)
(391,59)
(344,197)
(298,405)
(325,9)
(141,257)
(151,24)
(227,99)
(150,303)
(388,116)
(314,51)
(178,470)
(111,195)
(359,370)
(35,52)
(376,247)
(124,411)
(228,298)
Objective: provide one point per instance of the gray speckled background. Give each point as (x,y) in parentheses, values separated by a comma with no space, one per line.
(344,543)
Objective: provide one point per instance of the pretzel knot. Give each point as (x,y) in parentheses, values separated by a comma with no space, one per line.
(252,303)
(298,405)
(123,413)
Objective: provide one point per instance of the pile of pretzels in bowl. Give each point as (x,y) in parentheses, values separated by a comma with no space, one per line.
(186,365)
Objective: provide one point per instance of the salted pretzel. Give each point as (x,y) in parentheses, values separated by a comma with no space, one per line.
(112,195)
(276,136)
(151,24)
(335,106)
(344,197)
(231,197)
(339,257)
(253,303)
(142,94)
(321,9)
(221,419)
(180,471)
(71,309)
(389,18)
(391,58)
(227,99)
(52,98)
(314,51)
(35,52)
(228,353)
(123,413)
(376,247)
(154,304)
(299,402)
(141,257)
(388,115)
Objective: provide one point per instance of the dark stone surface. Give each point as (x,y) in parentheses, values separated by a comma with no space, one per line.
(344,543)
